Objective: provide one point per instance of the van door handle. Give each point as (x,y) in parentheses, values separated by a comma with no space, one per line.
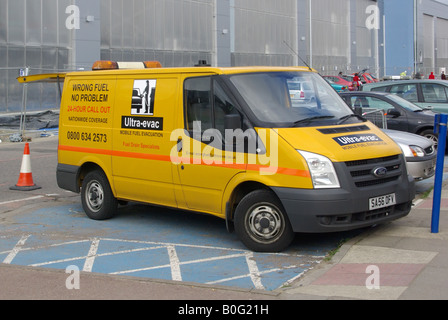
(179,145)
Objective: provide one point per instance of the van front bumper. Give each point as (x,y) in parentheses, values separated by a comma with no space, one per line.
(322,211)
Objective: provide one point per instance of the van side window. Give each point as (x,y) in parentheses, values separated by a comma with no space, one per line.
(198,104)
(222,107)
(207,103)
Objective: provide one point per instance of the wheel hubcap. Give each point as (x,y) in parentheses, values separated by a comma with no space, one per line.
(265,222)
(95,196)
(434,139)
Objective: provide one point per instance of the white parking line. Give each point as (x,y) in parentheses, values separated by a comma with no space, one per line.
(21,200)
(88,265)
(253,271)
(16,249)
(175,264)
(417,203)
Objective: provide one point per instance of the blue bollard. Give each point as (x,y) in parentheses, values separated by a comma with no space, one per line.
(440,128)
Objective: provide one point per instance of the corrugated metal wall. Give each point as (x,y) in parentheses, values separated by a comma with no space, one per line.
(442,43)
(331,35)
(264,29)
(182,32)
(174,32)
(32,33)
(365,39)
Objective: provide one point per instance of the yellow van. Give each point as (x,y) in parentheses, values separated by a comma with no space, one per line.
(272,150)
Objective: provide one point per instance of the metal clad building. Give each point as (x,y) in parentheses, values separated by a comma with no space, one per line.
(32,33)
(329,35)
(174,32)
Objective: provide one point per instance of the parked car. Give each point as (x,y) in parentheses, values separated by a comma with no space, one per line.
(420,153)
(424,93)
(300,92)
(370,77)
(399,113)
(344,81)
(338,87)
(366,77)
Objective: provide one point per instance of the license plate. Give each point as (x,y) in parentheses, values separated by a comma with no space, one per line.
(382,202)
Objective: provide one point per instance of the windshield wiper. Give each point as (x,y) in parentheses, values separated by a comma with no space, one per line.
(312,119)
(345,118)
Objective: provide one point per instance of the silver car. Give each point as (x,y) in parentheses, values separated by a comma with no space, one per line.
(420,153)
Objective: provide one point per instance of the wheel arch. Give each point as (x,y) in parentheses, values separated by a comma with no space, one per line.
(238,193)
(425,128)
(85,169)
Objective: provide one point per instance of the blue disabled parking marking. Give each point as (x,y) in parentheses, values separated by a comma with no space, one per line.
(148,242)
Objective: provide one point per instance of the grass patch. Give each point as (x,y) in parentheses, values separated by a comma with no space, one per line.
(331,253)
(427,193)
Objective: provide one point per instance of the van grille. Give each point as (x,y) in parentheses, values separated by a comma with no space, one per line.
(362,171)
(344,129)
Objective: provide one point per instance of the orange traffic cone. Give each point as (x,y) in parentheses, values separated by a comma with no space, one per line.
(25,182)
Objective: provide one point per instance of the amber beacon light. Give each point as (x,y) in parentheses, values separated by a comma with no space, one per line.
(113,65)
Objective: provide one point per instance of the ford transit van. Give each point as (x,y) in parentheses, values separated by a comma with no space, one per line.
(230,142)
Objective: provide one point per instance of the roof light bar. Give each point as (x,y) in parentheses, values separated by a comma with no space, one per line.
(113,65)
(105,65)
(152,64)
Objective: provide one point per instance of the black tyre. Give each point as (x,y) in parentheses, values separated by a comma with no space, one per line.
(261,223)
(97,198)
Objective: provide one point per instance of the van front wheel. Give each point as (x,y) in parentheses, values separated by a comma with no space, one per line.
(97,198)
(261,223)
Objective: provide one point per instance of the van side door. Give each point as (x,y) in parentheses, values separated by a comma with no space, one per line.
(143,122)
(205,167)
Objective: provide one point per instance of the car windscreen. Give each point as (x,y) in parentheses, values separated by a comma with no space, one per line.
(274,99)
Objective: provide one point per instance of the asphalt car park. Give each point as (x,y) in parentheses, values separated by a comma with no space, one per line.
(47,228)
(157,243)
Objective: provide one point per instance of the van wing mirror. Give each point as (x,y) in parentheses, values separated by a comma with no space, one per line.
(232,121)
(358,110)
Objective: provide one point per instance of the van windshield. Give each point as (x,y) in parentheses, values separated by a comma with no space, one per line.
(292,99)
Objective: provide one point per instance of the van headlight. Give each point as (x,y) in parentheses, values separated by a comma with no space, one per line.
(322,171)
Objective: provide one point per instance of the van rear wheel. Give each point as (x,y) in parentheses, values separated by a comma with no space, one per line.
(97,198)
(261,222)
